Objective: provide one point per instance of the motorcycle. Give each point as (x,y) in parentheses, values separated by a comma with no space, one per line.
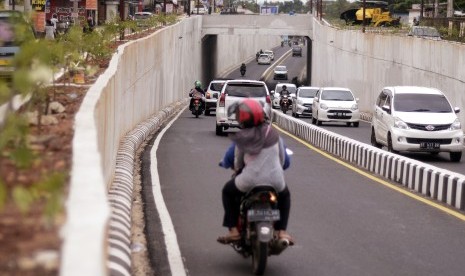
(285,102)
(197,107)
(259,211)
(242,71)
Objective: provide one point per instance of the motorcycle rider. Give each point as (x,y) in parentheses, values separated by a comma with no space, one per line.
(197,88)
(257,155)
(243,69)
(284,92)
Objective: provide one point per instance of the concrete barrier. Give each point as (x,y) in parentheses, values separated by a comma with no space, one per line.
(439,184)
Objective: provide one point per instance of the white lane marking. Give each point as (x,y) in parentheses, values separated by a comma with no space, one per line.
(171,241)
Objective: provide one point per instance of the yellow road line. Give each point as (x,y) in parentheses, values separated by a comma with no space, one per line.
(376,179)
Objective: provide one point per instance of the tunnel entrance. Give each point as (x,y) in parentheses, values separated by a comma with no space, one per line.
(209,48)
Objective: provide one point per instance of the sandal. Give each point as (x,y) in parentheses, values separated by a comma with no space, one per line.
(228,239)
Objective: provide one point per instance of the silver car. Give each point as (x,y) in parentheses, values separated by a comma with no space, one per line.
(303,101)
(212,94)
(264,59)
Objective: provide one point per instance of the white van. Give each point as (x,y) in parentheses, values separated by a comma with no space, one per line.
(416,119)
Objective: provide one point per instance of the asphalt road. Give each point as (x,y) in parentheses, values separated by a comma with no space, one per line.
(344,222)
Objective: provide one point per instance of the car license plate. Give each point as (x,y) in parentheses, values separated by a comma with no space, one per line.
(429,145)
(263,215)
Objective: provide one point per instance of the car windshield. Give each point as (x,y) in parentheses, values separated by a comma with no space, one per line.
(216,86)
(337,95)
(307,93)
(281,68)
(246,90)
(432,103)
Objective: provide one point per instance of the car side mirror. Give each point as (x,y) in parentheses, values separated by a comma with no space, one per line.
(457,109)
(386,108)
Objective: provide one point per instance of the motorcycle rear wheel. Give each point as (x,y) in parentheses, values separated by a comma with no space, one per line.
(259,257)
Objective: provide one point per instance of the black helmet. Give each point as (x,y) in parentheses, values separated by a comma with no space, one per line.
(284,87)
(249,113)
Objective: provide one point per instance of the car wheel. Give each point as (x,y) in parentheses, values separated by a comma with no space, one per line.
(389,146)
(297,115)
(348,124)
(455,156)
(313,120)
(373,139)
(207,112)
(219,130)
(356,124)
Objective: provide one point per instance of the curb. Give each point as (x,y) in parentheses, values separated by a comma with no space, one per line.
(121,189)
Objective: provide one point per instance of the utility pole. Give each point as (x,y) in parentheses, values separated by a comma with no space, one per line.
(363,17)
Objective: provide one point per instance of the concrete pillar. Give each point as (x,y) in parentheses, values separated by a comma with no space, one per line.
(111,10)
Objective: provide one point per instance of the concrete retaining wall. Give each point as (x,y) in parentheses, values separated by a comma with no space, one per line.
(366,62)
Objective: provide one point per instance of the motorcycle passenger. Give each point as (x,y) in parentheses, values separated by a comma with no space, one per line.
(197,88)
(243,69)
(285,92)
(257,155)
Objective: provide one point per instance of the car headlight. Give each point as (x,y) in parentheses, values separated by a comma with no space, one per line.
(323,106)
(456,125)
(354,107)
(398,123)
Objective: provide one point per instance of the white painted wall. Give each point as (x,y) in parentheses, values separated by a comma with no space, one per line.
(366,62)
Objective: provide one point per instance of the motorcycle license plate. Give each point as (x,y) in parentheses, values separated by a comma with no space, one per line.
(263,215)
(429,145)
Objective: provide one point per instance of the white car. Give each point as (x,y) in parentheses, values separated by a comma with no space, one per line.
(199,9)
(234,91)
(416,119)
(280,72)
(264,59)
(275,93)
(303,101)
(212,94)
(270,53)
(335,104)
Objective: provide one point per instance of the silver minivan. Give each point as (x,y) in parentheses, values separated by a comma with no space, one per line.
(416,119)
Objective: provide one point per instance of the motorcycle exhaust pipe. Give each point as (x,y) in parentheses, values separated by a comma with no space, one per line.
(278,246)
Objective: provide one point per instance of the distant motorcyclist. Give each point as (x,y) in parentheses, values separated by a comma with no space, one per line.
(243,69)
(284,92)
(197,89)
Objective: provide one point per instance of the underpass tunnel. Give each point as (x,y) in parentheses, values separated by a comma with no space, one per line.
(208,56)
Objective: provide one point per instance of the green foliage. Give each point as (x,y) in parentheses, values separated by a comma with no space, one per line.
(34,66)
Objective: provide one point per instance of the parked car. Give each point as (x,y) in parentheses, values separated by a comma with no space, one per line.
(425,32)
(142,17)
(10,43)
(296,50)
(335,104)
(275,93)
(212,94)
(264,59)
(303,101)
(234,91)
(416,119)
(270,53)
(198,9)
(280,72)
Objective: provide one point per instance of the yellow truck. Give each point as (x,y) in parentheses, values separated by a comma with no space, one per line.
(376,14)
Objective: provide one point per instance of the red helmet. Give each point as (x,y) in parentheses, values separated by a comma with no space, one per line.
(249,113)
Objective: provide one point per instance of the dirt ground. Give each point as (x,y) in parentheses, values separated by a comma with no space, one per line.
(30,243)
